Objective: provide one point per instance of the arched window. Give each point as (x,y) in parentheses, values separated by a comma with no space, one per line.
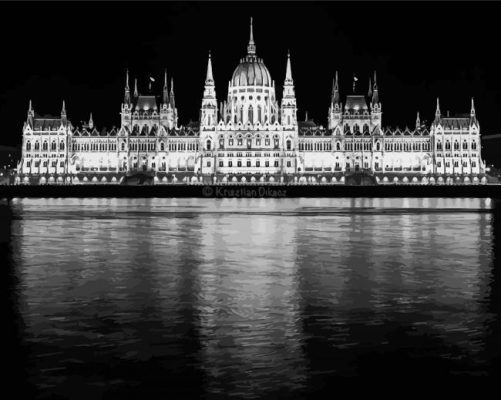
(45,146)
(366,129)
(259,116)
(61,145)
(37,146)
(338,146)
(289,144)
(378,146)
(28,146)
(474,145)
(347,129)
(249,143)
(447,145)
(208,144)
(276,143)
(251,115)
(439,145)
(53,146)
(465,145)
(456,145)
(221,143)
(162,146)
(356,129)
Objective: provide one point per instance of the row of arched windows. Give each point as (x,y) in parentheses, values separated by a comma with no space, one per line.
(456,145)
(45,146)
(356,129)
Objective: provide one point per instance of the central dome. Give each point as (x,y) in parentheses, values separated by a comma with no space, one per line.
(251,72)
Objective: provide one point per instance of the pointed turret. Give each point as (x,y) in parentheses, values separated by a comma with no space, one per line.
(369,94)
(418,121)
(136,94)
(375,91)
(335,91)
(165,97)
(91,122)
(209,79)
(63,113)
(306,116)
(126,90)
(288,71)
(472,112)
(31,114)
(251,47)
(172,99)
(437,111)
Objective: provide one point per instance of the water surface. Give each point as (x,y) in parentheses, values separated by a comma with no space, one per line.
(249,298)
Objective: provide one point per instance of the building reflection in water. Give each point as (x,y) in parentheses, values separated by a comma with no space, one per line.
(250,296)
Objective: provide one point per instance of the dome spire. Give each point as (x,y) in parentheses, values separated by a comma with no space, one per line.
(251,47)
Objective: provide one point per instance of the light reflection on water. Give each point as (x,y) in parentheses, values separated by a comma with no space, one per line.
(248,296)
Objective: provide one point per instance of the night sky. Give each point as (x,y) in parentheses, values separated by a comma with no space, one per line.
(80,51)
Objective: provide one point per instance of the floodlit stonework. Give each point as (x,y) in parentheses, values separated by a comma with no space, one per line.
(251,137)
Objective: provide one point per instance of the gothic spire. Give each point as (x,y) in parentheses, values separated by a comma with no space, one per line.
(135,88)
(31,114)
(251,47)
(418,121)
(63,110)
(91,122)
(209,79)
(437,111)
(288,72)
(375,92)
(165,97)
(472,112)
(335,90)
(127,91)
(172,99)
(369,94)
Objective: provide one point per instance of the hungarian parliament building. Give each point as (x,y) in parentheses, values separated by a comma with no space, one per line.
(250,137)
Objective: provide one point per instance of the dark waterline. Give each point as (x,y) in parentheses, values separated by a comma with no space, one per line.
(247,298)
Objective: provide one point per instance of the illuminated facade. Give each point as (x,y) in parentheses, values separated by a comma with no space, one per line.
(251,136)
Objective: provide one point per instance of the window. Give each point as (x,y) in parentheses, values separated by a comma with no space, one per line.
(221,164)
(289,145)
(28,164)
(456,164)
(239,142)
(248,163)
(258,142)
(465,145)
(474,145)
(266,163)
(249,143)
(258,163)
(37,146)
(28,146)
(208,163)
(53,146)
(267,142)
(61,164)
(447,145)
(208,145)
(439,145)
(162,146)
(473,164)
(289,164)
(276,163)
(45,146)
(230,163)
(439,164)
(221,143)
(54,164)
(45,164)
(230,142)
(153,165)
(239,163)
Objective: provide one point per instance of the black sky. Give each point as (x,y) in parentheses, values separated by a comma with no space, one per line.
(79,52)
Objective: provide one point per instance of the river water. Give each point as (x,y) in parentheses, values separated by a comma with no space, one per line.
(248,298)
